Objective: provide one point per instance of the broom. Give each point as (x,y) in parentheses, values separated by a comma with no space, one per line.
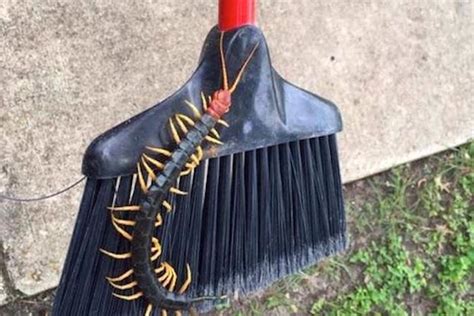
(223,188)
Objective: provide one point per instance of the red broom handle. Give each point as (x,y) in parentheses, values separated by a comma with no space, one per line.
(236,13)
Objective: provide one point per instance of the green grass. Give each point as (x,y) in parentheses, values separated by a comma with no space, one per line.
(412,248)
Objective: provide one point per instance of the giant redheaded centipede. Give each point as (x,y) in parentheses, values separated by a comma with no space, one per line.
(188,134)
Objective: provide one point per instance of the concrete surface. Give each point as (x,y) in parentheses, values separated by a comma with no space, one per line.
(401,72)
(3,292)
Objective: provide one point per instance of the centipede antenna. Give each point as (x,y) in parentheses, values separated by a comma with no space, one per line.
(223,62)
(242,69)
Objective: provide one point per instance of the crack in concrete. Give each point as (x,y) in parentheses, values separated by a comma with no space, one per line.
(10,291)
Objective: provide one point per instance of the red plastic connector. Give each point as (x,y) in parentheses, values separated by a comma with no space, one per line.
(236,13)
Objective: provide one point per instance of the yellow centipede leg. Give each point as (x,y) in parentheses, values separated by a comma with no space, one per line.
(148,169)
(193,108)
(155,256)
(178,313)
(124,287)
(186,119)
(213,140)
(129,208)
(158,150)
(177,191)
(216,133)
(119,256)
(167,205)
(130,297)
(223,123)
(149,309)
(164,312)
(187,282)
(154,162)
(168,279)
(199,152)
(124,222)
(156,248)
(173,281)
(174,132)
(185,172)
(204,102)
(122,231)
(141,179)
(160,269)
(165,275)
(159,220)
(181,124)
(120,277)
(189,167)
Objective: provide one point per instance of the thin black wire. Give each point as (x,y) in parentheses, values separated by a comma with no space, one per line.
(41,198)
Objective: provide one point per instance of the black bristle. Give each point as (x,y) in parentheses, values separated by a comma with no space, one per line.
(249,219)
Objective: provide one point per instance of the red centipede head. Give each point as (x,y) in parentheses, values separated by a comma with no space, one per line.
(220,104)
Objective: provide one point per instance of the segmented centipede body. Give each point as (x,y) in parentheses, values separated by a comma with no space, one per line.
(188,134)
(145,219)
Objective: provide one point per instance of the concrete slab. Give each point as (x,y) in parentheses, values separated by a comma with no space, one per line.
(400,71)
(3,292)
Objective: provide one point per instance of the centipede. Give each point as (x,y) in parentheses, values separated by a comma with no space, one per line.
(157,171)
